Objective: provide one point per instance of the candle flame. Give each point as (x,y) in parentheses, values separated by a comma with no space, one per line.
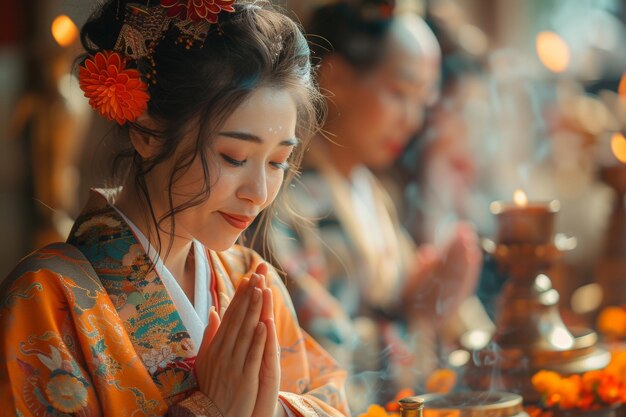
(520,199)
(552,51)
(618,146)
(64,30)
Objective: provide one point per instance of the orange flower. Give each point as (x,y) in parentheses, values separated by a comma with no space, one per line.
(441,381)
(534,411)
(546,381)
(617,366)
(592,390)
(374,410)
(609,390)
(116,92)
(569,390)
(612,322)
(197,9)
(591,380)
(556,390)
(585,402)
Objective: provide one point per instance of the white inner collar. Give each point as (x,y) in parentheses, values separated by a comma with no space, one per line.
(194,316)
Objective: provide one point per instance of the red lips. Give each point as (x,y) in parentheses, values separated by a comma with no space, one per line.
(237,221)
(395,148)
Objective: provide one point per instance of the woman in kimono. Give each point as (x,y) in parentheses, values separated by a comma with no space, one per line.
(149,308)
(361,287)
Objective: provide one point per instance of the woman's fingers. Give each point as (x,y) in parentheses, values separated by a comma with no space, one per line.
(207,341)
(267,312)
(254,358)
(229,362)
(235,315)
(238,299)
(262,269)
(272,352)
(209,332)
(246,333)
(269,374)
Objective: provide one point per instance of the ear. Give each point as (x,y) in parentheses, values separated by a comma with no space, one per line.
(145,144)
(336,75)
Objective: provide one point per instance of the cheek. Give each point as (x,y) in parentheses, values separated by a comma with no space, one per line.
(191,183)
(380,110)
(274,182)
(370,102)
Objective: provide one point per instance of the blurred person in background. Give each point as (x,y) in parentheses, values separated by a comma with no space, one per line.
(361,287)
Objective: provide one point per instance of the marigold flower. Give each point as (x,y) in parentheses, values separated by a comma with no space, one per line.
(534,411)
(116,92)
(617,366)
(593,390)
(612,322)
(374,410)
(609,390)
(569,390)
(441,381)
(591,380)
(585,402)
(556,390)
(546,381)
(197,9)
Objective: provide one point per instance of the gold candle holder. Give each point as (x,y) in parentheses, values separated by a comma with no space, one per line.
(530,334)
(523,223)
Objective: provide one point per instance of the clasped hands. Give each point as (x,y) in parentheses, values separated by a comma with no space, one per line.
(441,279)
(238,364)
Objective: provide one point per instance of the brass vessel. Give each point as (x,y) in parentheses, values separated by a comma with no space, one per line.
(411,407)
(530,334)
(473,404)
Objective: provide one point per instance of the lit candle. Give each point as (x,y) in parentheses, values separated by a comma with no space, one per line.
(523,222)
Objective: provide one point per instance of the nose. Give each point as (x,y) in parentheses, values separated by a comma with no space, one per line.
(254,187)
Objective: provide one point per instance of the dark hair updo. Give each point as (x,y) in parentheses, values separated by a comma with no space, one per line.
(199,87)
(355,29)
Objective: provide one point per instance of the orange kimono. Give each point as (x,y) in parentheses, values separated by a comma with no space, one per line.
(89,329)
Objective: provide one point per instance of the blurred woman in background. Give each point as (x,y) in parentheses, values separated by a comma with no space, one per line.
(359,284)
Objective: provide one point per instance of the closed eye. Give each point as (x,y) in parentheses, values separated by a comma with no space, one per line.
(232,161)
(238,163)
(281,165)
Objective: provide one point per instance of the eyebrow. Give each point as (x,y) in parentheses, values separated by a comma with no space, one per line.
(248,137)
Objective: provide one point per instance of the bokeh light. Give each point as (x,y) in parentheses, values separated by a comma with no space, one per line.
(618,146)
(553,51)
(64,30)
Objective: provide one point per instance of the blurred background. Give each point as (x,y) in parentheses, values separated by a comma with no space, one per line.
(533,97)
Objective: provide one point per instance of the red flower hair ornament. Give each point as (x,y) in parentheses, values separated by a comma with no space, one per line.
(197,10)
(116,92)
